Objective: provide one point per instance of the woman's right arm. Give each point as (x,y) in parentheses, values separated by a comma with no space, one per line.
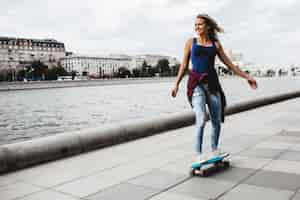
(183,66)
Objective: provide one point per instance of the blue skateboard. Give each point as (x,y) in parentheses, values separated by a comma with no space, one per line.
(214,164)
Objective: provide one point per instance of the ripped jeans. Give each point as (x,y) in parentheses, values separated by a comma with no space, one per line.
(201,97)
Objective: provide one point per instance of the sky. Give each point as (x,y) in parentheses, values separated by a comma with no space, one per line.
(264,31)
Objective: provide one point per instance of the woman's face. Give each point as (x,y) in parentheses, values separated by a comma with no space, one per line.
(200,26)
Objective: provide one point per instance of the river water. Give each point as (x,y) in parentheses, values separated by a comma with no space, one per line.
(28,114)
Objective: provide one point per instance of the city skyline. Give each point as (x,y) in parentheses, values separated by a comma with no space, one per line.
(263,31)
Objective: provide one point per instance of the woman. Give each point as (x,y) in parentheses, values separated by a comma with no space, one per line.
(203,84)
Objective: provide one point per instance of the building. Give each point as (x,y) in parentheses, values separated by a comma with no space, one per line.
(95,65)
(99,66)
(259,70)
(16,53)
(152,59)
(236,58)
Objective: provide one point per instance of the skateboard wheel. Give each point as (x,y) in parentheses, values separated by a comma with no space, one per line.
(226,164)
(192,172)
(219,163)
(204,173)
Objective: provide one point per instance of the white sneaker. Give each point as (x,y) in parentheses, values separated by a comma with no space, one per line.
(201,158)
(218,152)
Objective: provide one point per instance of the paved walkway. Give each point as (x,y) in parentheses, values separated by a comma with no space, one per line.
(265,147)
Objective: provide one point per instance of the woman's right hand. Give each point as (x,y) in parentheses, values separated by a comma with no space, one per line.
(174,91)
(252,82)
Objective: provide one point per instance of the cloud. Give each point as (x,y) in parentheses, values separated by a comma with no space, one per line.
(260,29)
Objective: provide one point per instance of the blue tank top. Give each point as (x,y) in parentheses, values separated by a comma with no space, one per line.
(202,57)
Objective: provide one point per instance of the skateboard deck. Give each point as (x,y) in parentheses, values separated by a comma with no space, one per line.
(209,166)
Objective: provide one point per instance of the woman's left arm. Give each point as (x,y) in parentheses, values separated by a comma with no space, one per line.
(224,58)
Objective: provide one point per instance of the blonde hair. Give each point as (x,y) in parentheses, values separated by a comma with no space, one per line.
(212,27)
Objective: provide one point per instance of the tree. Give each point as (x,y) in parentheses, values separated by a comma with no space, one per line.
(54,72)
(146,70)
(21,75)
(151,70)
(144,66)
(39,70)
(73,74)
(270,72)
(163,67)
(136,72)
(175,69)
(223,71)
(10,74)
(4,75)
(123,72)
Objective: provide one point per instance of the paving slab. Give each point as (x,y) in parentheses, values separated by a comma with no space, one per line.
(48,195)
(297,196)
(116,175)
(56,177)
(94,162)
(100,181)
(246,162)
(247,192)
(203,188)
(174,196)
(180,166)
(17,190)
(295,147)
(273,145)
(286,139)
(276,180)
(284,166)
(233,148)
(7,180)
(261,153)
(290,155)
(233,174)
(286,121)
(245,139)
(62,171)
(124,191)
(237,143)
(289,133)
(158,179)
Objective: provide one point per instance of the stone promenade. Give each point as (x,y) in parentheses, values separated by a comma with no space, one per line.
(265,148)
